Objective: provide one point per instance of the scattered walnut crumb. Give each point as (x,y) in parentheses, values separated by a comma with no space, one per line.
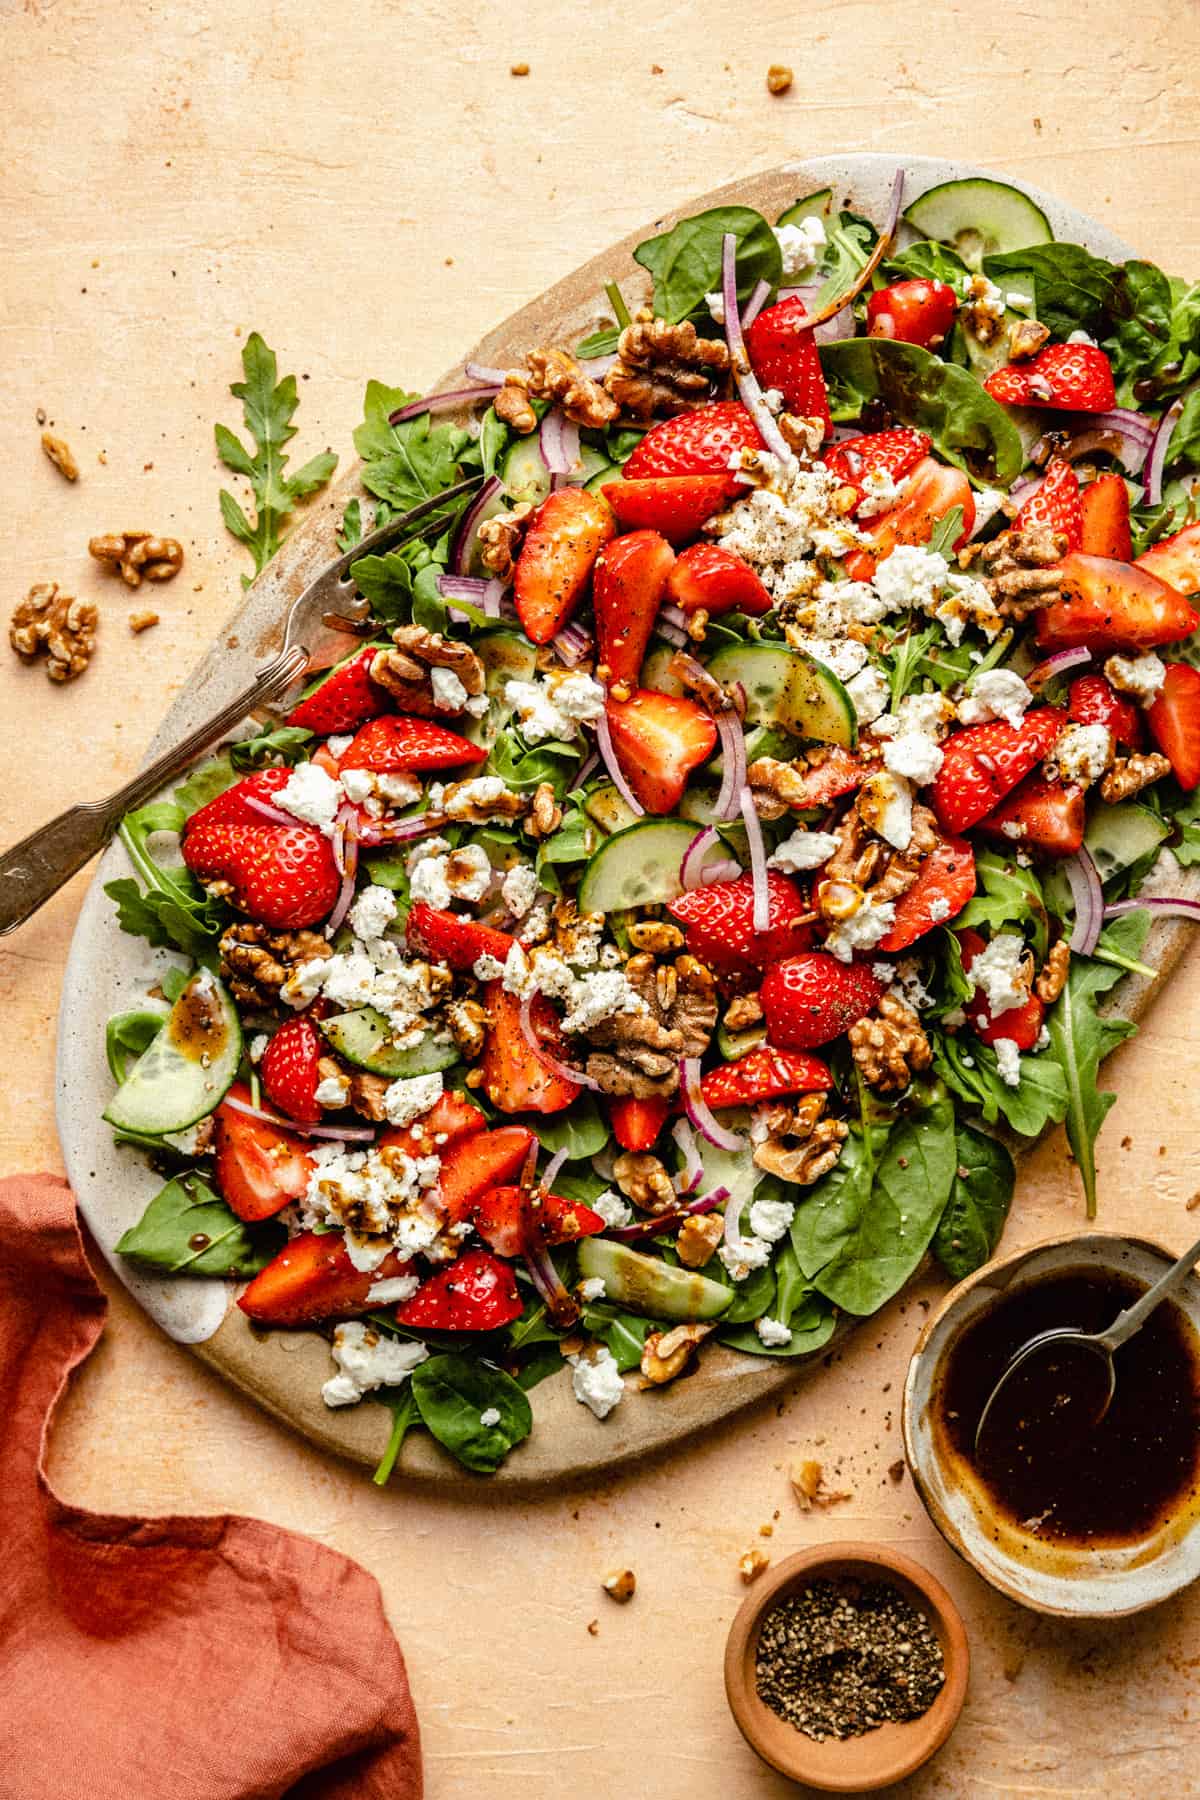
(767,1530)
(751,1564)
(521,68)
(142,620)
(808,1485)
(1193,1203)
(59,452)
(779,78)
(40,415)
(620,1585)
(593,1628)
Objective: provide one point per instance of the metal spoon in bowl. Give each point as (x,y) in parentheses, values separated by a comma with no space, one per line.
(1100,1344)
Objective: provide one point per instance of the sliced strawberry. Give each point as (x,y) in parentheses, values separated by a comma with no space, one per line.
(718,919)
(783,354)
(449,1119)
(983,763)
(483,1160)
(1040,814)
(505,1216)
(832,773)
(451,938)
(675,505)
(892,453)
(289,1070)
(659,739)
(259,1166)
(392,743)
(702,442)
(232,808)
(913,312)
(715,580)
(765,1074)
(343,697)
(1176,560)
(476,1293)
(1076,376)
(945,883)
(628,584)
(932,491)
(1174,721)
(568,532)
(313,1278)
(282,876)
(1113,606)
(813,998)
(515,1078)
(1092,701)
(1056,504)
(637,1123)
(1104,505)
(1023,1024)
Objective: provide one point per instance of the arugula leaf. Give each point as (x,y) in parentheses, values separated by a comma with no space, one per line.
(552,761)
(287,744)
(388,580)
(494,438)
(969,1229)
(404,1416)
(1011,895)
(685,262)
(849,241)
(624,1333)
(968,427)
(352,525)
(451,1394)
(202,785)
(1076,291)
(269,405)
(166,1239)
(128,1034)
(409,462)
(1080,1039)
(947,532)
(173,911)
(599,343)
(970,1070)
(580,1130)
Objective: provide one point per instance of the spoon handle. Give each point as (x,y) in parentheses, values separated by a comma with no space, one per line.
(1135,1316)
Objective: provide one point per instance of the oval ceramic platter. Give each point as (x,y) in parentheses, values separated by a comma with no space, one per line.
(108,971)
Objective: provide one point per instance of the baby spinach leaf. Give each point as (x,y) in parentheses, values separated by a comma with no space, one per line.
(533,1327)
(796,1304)
(751,1298)
(287,744)
(969,1229)
(928,261)
(404,1416)
(967,426)
(269,406)
(1075,290)
(624,1333)
(1142,326)
(538,1364)
(187,1229)
(580,1130)
(685,262)
(352,525)
(453,1392)
(128,1034)
(1080,1039)
(580,1184)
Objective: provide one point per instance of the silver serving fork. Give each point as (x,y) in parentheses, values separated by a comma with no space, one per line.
(327,610)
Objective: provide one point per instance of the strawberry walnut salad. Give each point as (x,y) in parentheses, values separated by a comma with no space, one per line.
(739,807)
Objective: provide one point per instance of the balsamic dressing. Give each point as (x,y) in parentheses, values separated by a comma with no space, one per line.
(1044,1461)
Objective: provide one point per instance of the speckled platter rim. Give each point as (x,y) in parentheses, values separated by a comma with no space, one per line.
(106,970)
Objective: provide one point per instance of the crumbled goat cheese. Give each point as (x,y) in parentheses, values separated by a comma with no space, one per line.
(1082,753)
(489,1416)
(612,1209)
(311,795)
(333,1091)
(938,908)
(381,1200)
(358,785)
(772,1333)
(880,494)
(366,1361)
(911,577)
(803,850)
(913,755)
(481,791)
(487,967)
(988,502)
(338,746)
(1140,677)
(1001,973)
(349,979)
(449,694)
(519,889)
(752,1253)
(800,245)
(373,912)
(862,930)
(592,1289)
(1018,301)
(904,980)
(304,983)
(966,601)
(843,603)
(433,846)
(1081,337)
(601,995)
(986,297)
(547,710)
(398,787)
(429,884)
(716,307)
(597,1385)
(407,1099)
(770,1219)
(393,1290)
(778,529)
(869,692)
(885,804)
(258,1046)
(995,694)
(1008,1061)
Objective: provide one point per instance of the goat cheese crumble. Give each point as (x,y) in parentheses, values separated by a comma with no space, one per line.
(597,1385)
(366,1360)
(311,796)
(772,1333)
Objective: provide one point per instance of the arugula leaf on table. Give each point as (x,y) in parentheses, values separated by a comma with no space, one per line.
(286,744)
(1080,1039)
(164,1240)
(269,405)
(970,1070)
(685,262)
(970,1227)
(128,1034)
(452,1393)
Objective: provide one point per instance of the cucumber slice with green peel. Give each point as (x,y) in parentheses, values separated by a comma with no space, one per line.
(699,803)
(647,1286)
(656,671)
(788,688)
(1117,836)
(184,1072)
(523,473)
(736,1044)
(506,656)
(609,811)
(640,866)
(608,471)
(364,1038)
(813,206)
(978,217)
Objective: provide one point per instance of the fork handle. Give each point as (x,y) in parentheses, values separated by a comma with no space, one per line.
(39,865)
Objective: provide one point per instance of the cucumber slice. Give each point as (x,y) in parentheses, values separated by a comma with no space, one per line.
(364,1038)
(813,206)
(647,1286)
(1117,836)
(608,471)
(506,656)
(979,218)
(640,866)
(700,804)
(656,671)
(183,1073)
(735,1044)
(786,687)
(609,811)
(523,474)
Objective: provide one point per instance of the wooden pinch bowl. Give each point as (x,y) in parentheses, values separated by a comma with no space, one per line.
(857,1765)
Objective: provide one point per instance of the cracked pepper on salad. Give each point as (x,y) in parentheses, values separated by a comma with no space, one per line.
(737,811)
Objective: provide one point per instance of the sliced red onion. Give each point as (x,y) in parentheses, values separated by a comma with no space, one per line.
(558,441)
(734,1241)
(468,527)
(1112,431)
(573,643)
(482,373)
(343,1134)
(563,1070)
(747,382)
(761,916)
(590,763)
(471,588)
(689,1177)
(864,275)
(699,1112)
(441,402)
(551,1170)
(755,304)
(274,813)
(690,875)
(1161,443)
(733,758)
(616,774)
(1025,489)
(1058,664)
(562,1309)
(674,634)
(674,615)
(1162,906)
(645,1228)
(1088,896)
(833,330)
(400,831)
(341,905)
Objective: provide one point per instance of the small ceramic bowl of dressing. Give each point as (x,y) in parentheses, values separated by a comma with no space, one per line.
(1087,1523)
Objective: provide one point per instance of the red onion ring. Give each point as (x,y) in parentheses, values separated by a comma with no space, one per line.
(1088,896)
(733,757)
(573,643)
(735,1243)
(755,304)
(644,1228)
(1025,489)
(482,373)
(747,381)
(341,905)
(616,774)
(551,1170)
(674,634)
(344,1134)
(690,1176)
(674,615)
(464,538)
(699,1112)
(563,1070)
(558,441)
(1163,906)
(275,814)
(761,917)
(1058,664)
(690,875)
(440,402)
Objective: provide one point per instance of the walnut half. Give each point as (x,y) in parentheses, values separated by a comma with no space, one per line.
(65,628)
(795,1142)
(662,369)
(891,1047)
(138,556)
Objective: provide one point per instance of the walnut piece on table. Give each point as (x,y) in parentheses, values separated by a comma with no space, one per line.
(138,556)
(142,620)
(60,454)
(752,1563)
(51,621)
(620,1585)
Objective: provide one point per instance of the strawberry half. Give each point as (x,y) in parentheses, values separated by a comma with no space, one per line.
(628,584)
(343,698)
(313,1278)
(1040,814)
(451,938)
(983,763)
(1056,504)
(1174,720)
(703,442)
(259,1166)
(658,740)
(783,354)
(391,743)
(483,1160)
(289,1070)
(1093,701)
(1112,606)
(675,505)
(637,1123)
(813,998)
(706,577)
(476,1293)
(282,876)
(892,453)
(230,808)
(1076,376)
(835,773)
(515,1077)
(568,532)
(932,491)
(1104,506)
(718,920)
(506,1216)
(944,884)
(1175,560)
(765,1074)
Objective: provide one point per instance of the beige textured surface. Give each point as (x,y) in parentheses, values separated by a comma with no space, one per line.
(218,168)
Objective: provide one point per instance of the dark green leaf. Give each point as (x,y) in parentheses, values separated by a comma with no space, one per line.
(1075,290)
(971,1070)
(685,262)
(202,785)
(404,1417)
(407,463)
(352,525)
(928,261)
(539,1363)
(969,1229)
(600,343)
(580,1130)
(453,1392)
(623,1333)
(287,744)
(187,1229)
(1007,894)
(751,1298)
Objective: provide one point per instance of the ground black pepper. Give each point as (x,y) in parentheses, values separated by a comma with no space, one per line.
(839,1658)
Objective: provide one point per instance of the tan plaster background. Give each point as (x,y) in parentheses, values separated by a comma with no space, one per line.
(368,186)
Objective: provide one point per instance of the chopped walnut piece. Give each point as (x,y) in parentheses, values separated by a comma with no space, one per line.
(1018,568)
(643,1179)
(981,313)
(1026,338)
(59,452)
(662,369)
(777,785)
(656,935)
(467,1022)
(65,628)
(752,1563)
(666,1354)
(366,1095)
(499,539)
(553,375)
(863,864)
(743,1011)
(1130,774)
(142,620)
(808,1485)
(779,78)
(794,1142)
(545,814)
(1053,978)
(678,1020)
(620,1585)
(138,556)
(890,1047)
(512,406)
(255,962)
(407,671)
(698,1238)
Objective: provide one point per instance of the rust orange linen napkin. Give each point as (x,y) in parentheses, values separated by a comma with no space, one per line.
(175,1658)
